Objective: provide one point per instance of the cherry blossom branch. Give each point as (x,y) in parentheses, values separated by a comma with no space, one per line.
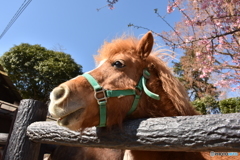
(211,37)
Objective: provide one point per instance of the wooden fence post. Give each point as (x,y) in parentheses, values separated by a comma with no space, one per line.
(19,146)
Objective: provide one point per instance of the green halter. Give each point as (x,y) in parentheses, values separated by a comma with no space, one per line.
(102,102)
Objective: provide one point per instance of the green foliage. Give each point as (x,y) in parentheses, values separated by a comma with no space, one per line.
(199,106)
(35,71)
(205,104)
(208,104)
(231,105)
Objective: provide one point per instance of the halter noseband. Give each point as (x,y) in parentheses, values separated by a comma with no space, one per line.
(102,102)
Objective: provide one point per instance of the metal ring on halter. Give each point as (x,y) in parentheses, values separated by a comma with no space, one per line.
(138,90)
(104,98)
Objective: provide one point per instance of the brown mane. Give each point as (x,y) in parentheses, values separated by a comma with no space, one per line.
(172,86)
(122,44)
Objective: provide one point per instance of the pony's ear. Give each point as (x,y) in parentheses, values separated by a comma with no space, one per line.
(145,45)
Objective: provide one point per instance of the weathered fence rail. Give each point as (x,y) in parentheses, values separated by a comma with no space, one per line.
(185,133)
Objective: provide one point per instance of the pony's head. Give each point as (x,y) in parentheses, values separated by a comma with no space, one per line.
(128,82)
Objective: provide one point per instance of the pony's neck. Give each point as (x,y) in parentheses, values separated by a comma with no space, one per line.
(154,108)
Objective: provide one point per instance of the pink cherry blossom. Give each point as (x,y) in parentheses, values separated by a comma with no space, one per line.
(170,9)
(211,29)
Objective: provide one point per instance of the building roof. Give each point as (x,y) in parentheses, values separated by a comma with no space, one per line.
(8,92)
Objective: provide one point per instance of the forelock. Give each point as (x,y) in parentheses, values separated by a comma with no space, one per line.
(119,45)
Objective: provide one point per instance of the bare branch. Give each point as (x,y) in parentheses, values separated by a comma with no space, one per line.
(168,25)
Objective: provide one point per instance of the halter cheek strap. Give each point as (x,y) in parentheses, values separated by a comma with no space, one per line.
(101,95)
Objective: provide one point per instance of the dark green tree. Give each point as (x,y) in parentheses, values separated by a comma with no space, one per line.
(207,105)
(35,71)
(230,105)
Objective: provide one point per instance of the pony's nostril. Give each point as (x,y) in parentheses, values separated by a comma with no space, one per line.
(59,93)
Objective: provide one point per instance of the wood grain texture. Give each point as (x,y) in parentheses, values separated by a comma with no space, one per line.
(183,133)
(19,146)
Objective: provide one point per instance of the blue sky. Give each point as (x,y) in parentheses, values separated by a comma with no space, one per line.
(77,26)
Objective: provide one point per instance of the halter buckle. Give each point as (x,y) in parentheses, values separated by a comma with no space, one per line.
(101,99)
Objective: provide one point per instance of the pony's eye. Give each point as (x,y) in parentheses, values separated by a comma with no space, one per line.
(118,64)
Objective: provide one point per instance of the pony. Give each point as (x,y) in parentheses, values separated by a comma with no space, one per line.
(129,82)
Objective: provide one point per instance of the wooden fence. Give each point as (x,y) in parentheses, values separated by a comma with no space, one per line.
(186,133)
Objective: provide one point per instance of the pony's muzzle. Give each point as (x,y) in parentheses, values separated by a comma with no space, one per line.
(59,94)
